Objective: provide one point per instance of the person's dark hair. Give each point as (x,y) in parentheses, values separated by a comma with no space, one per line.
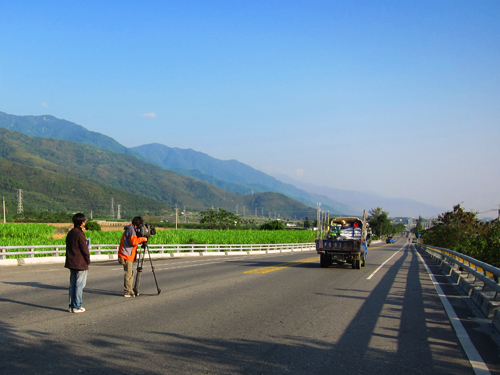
(137,221)
(78,219)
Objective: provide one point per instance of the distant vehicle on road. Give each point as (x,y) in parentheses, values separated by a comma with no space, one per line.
(414,240)
(346,242)
(390,240)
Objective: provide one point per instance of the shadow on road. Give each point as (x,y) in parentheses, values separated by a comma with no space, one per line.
(421,325)
(35,284)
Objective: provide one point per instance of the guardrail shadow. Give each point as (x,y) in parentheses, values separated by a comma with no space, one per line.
(355,352)
(23,303)
(416,312)
(36,284)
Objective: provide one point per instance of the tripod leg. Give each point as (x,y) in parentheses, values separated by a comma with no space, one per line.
(153,269)
(140,262)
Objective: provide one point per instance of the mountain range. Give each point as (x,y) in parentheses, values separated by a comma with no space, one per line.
(64,175)
(229,176)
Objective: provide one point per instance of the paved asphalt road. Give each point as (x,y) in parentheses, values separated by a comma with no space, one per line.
(254,314)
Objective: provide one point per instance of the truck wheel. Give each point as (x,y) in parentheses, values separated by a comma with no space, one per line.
(324,262)
(353,264)
(358,264)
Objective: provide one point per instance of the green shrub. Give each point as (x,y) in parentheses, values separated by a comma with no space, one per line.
(273,225)
(93,225)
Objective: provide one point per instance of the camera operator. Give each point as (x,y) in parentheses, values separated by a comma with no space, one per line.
(127,253)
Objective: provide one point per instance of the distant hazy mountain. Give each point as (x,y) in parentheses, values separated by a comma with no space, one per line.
(365,200)
(232,175)
(51,127)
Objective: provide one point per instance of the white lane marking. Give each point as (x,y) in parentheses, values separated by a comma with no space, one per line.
(374,272)
(475,359)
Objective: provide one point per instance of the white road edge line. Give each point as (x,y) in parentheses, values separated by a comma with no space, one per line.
(475,359)
(379,267)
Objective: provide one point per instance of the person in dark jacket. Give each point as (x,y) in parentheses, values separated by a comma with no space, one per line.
(77,260)
(127,253)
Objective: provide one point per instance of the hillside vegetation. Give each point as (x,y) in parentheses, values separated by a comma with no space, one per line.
(229,175)
(67,175)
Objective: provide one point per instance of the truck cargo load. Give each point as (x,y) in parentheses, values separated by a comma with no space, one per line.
(345,242)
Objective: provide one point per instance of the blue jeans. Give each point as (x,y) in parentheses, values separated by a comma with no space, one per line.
(77,281)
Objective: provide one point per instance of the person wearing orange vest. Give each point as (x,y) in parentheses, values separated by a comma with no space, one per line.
(127,253)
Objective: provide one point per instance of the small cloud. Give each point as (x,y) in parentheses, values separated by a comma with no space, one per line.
(150,115)
(299,172)
(45,105)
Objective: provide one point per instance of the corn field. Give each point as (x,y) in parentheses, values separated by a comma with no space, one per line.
(41,234)
(27,234)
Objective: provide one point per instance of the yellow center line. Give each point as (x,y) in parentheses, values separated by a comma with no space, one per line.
(282,265)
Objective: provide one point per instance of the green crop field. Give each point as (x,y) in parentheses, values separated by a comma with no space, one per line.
(212,237)
(27,234)
(41,234)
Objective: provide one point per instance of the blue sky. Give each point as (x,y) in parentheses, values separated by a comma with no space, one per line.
(395,97)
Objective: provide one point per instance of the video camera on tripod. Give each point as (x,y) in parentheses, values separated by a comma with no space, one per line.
(144,230)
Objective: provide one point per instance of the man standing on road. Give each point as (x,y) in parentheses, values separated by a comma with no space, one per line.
(127,253)
(77,260)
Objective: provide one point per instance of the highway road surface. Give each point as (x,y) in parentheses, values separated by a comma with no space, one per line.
(249,314)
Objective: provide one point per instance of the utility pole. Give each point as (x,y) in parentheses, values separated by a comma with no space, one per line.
(176,216)
(118,214)
(3,205)
(112,208)
(20,209)
(318,219)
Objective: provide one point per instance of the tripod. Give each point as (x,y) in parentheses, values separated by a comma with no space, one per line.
(140,262)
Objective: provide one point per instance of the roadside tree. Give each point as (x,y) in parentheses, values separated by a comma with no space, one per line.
(272,225)
(307,223)
(220,219)
(379,221)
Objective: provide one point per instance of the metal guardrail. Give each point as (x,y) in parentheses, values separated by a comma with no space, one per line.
(59,250)
(485,272)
